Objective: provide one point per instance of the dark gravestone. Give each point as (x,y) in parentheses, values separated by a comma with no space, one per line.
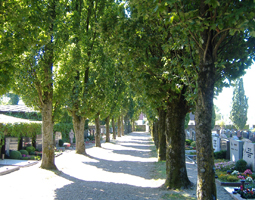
(11,144)
(26,142)
(39,142)
(225,146)
(245,135)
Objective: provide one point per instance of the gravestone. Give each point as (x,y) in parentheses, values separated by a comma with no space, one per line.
(187,133)
(216,144)
(245,135)
(71,136)
(58,136)
(11,144)
(236,150)
(193,135)
(225,146)
(227,133)
(249,154)
(26,142)
(38,142)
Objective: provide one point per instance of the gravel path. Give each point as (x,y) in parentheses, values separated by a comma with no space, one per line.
(117,171)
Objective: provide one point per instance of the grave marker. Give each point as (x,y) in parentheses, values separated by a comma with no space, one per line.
(11,144)
(249,154)
(39,142)
(236,150)
(216,144)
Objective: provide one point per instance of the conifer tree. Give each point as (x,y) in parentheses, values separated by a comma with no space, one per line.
(238,114)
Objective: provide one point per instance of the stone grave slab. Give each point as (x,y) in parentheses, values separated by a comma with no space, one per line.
(58,136)
(39,140)
(26,142)
(249,154)
(225,146)
(11,143)
(216,144)
(236,150)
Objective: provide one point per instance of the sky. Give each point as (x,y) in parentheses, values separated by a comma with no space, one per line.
(224,100)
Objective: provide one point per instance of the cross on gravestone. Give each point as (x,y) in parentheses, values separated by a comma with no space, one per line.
(236,150)
(249,154)
(71,136)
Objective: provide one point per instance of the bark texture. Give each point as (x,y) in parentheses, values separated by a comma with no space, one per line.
(119,127)
(48,156)
(176,173)
(107,139)
(98,132)
(113,129)
(78,125)
(162,135)
(155,133)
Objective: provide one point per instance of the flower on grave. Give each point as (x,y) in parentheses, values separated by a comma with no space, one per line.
(247,171)
(241,187)
(248,179)
(240,177)
(235,172)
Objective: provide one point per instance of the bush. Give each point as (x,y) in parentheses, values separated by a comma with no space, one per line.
(232,178)
(24,152)
(220,154)
(30,149)
(241,165)
(15,155)
(188,142)
(60,143)
(193,144)
(228,178)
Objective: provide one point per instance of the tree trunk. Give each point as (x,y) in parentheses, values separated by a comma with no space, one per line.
(176,173)
(98,131)
(119,127)
(48,156)
(133,125)
(162,135)
(122,125)
(107,139)
(155,133)
(113,129)
(78,125)
(206,188)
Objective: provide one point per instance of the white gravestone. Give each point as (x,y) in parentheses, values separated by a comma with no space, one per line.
(71,136)
(249,154)
(216,144)
(236,150)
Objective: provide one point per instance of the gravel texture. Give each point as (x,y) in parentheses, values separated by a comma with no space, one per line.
(117,171)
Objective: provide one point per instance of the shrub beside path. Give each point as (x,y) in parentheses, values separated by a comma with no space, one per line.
(119,170)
